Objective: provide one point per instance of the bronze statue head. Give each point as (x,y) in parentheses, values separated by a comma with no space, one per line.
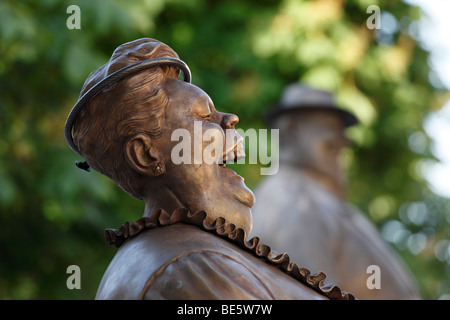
(313,139)
(312,132)
(124,131)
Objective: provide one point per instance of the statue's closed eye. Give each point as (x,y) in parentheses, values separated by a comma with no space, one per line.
(203,110)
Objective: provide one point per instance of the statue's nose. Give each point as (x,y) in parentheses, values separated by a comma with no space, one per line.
(229,120)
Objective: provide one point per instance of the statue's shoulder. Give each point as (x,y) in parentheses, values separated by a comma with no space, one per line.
(183,256)
(144,256)
(182,261)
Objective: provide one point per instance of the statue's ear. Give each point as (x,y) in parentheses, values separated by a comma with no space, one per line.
(142,157)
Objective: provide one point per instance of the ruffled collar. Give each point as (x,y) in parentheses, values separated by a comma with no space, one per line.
(229,232)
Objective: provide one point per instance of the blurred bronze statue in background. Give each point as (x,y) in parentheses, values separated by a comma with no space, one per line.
(303,209)
(191,242)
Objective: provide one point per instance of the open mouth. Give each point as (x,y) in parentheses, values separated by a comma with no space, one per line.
(233,155)
(233,182)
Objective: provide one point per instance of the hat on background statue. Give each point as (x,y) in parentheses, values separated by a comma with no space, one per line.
(297,97)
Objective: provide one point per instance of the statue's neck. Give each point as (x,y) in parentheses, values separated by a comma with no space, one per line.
(326,181)
(215,205)
(163,198)
(333,184)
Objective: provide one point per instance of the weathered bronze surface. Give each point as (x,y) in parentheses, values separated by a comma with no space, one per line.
(124,132)
(303,208)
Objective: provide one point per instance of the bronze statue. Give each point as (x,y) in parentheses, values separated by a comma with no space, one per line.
(191,242)
(303,208)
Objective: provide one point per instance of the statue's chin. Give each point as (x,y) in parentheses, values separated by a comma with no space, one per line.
(235,186)
(245,197)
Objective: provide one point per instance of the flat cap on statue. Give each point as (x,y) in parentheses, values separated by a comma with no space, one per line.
(124,63)
(298,97)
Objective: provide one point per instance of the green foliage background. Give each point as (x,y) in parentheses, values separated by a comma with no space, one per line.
(242,53)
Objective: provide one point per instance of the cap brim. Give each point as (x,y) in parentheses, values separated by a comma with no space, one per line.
(348,118)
